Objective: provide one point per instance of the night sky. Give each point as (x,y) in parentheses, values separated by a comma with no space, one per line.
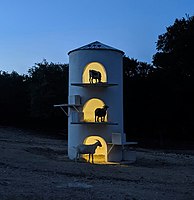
(36,29)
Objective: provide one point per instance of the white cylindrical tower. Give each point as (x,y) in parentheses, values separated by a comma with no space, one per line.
(95,80)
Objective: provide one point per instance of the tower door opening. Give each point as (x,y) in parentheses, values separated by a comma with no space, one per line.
(89,109)
(97,67)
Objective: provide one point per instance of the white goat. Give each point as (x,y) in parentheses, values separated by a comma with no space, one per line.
(87,149)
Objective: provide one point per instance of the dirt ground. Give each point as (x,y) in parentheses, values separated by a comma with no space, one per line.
(34,166)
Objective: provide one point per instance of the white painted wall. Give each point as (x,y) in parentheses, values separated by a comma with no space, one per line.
(112,96)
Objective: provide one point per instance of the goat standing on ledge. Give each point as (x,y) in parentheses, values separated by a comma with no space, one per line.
(87,149)
(93,74)
(101,113)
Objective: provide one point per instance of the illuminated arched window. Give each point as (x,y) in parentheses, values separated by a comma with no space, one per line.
(101,152)
(90,107)
(97,67)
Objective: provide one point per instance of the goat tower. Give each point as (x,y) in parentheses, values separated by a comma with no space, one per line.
(95,105)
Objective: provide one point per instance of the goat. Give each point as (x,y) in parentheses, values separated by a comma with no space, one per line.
(93,74)
(87,149)
(101,113)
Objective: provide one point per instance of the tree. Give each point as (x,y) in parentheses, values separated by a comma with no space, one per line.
(176,48)
(134,69)
(175,62)
(14,97)
(144,69)
(137,96)
(48,86)
(130,67)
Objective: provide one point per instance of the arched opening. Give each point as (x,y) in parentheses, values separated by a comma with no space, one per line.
(90,107)
(97,67)
(100,155)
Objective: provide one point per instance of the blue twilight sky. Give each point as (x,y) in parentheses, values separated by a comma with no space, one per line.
(31,30)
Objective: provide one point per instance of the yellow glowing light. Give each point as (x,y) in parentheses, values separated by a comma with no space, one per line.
(97,67)
(90,107)
(100,155)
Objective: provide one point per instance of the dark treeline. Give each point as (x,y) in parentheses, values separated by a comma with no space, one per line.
(27,100)
(158,108)
(158,97)
(159,100)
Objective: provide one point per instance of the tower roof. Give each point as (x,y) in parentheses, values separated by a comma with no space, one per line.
(96,46)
